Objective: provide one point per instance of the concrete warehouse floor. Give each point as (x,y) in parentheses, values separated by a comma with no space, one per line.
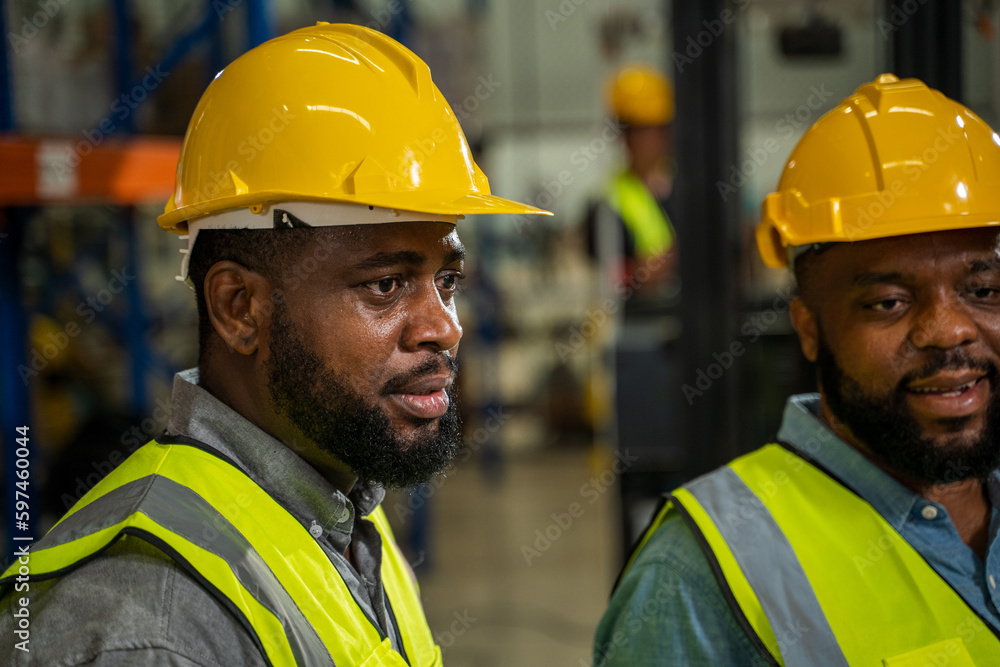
(508,582)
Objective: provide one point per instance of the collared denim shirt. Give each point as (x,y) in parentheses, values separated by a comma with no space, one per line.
(133,605)
(669,610)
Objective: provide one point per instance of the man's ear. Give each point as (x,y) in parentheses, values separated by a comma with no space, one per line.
(806,326)
(234,297)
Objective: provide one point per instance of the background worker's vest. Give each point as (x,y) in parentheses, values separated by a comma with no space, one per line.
(816,576)
(629,197)
(248,550)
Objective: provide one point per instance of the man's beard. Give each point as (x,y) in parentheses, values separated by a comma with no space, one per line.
(885,425)
(322,404)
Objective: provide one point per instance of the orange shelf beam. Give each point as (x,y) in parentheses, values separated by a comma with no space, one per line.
(43,170)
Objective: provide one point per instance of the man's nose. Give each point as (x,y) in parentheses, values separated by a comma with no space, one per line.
(943,323)
(432,322)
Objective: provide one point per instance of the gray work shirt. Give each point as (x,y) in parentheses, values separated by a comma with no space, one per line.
(133,605)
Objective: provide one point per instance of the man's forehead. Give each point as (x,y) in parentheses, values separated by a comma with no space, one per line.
(972,248)
(408,241)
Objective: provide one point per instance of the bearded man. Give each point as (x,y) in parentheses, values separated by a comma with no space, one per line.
(319,186)
(866,534)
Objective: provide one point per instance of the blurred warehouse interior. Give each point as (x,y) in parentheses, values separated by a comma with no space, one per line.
(94,325)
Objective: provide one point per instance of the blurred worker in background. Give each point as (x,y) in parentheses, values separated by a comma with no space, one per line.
(634,244)
(868,533)
(319,185)
(630,226)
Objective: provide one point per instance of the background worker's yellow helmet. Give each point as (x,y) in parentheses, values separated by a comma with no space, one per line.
(893,158)
(329,113)
(639,95)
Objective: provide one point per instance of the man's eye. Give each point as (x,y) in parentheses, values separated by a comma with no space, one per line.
(886,304)
(384,286)
(985,293)
(450,281)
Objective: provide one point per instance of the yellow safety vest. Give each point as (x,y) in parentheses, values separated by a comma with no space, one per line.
(255,557)
(816,576)
(629,197)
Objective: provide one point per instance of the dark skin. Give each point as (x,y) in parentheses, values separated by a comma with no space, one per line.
(381,304)
(883,305)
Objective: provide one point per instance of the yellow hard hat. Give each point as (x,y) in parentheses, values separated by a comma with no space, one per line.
(639,95)
(894,158)
(328,113)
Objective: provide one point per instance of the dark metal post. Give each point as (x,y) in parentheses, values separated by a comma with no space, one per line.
(927,42)
(705,130)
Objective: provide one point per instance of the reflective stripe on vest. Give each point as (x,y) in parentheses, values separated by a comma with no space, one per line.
(255,556)
(629,197)
(769,564)
(805,579)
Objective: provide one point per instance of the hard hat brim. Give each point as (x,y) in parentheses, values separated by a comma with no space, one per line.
(175,221)
(773,238)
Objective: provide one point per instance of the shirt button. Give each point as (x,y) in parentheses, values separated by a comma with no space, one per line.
(929,512)
(315,529)
(993,582)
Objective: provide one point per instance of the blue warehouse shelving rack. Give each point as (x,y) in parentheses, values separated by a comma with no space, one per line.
(125,170)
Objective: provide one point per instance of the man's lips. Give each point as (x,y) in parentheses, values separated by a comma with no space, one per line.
(426,398)
(946,382)
(950,394)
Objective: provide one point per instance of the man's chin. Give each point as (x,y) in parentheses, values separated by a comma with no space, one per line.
(411,431)
(951,433)
(928,451)
(412,443)
(406,476)
(943,458)
(411,453)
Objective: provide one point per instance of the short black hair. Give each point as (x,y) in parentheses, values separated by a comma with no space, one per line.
(268,252)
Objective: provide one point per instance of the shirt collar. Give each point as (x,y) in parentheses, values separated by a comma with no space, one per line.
(282,473)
